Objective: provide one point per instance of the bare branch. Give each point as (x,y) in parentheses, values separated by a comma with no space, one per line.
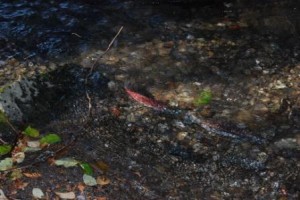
(92,69)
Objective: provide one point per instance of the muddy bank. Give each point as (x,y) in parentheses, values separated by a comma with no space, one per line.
(157,154)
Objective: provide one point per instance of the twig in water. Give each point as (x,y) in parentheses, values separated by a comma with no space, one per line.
(92,69)
(105,52)
(76,35)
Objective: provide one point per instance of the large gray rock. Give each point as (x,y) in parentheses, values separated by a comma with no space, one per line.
(12,96)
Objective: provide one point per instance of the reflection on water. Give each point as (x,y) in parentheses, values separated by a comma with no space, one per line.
(57,29)
(51,28)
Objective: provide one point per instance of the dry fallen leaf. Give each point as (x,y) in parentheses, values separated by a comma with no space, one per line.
(66,162)
(34,143)
(37,193)
(102,166)
(102,181)
(5,164)
(66,195)
(115,111)
(81,187)
(32,175)
(20,185)
(89,180)
(18,157)
(22,144)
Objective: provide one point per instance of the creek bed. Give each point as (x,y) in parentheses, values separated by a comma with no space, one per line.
(243,144)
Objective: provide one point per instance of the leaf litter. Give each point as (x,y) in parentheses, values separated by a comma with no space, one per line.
(32,175)
(5,164)
(66,162)
(102,180)
(37,193)
(66,195)
(89,180)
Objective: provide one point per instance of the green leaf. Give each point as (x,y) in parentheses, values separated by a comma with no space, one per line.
(32,132)
(89,180)
(5,164)
(4,149)
(204,98)
(87,169)
(66,162)
(50,138)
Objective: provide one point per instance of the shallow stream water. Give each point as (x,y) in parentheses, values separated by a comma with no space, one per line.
(244,144)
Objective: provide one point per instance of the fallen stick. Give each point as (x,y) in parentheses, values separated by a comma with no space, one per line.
(92,69)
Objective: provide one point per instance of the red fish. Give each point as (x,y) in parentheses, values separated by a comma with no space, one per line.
(146,101)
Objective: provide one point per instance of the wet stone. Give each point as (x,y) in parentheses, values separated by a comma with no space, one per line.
(181,135)
(287,143)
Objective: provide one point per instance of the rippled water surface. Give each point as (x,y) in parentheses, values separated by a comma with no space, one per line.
(55,28)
